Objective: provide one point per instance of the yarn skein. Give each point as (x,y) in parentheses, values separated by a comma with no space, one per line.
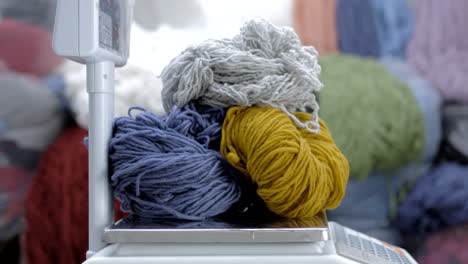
(315,23)
(162,166)
(298,174)
(373,116)
(439,47)
(438,200)
(263,65)
(357,28)
(57,204)
(373,27)
(27,48)
(394,20)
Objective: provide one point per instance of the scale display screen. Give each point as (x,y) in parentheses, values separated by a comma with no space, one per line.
(110,25)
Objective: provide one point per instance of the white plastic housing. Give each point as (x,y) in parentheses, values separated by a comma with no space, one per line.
(89,31)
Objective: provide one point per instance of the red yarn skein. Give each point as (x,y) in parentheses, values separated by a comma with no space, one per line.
(27,48)
(57,205)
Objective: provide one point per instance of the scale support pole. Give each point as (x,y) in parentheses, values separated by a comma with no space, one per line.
(100,87)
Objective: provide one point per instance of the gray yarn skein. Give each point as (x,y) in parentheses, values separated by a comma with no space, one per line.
(263,65)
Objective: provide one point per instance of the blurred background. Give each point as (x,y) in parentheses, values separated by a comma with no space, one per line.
(395,99)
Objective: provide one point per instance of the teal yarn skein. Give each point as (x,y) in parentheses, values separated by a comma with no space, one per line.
(372,115)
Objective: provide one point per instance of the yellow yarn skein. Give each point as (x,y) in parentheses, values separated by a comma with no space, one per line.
(297,173)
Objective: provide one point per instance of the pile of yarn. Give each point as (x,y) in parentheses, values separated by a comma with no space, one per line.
(231,127)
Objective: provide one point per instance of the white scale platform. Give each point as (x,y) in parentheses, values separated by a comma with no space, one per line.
(314,240)
(133,229)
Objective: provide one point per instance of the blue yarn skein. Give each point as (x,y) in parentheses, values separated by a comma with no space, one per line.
(357,29)
(374,28)
(437,201)
(394,22)
(163,167)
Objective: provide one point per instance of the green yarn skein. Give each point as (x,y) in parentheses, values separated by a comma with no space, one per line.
(373,117)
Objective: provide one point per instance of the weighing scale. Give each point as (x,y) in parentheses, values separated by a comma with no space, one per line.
(96,33)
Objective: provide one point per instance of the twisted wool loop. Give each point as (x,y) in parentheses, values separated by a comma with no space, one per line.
(263,65)
(298,174)
(162,166)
